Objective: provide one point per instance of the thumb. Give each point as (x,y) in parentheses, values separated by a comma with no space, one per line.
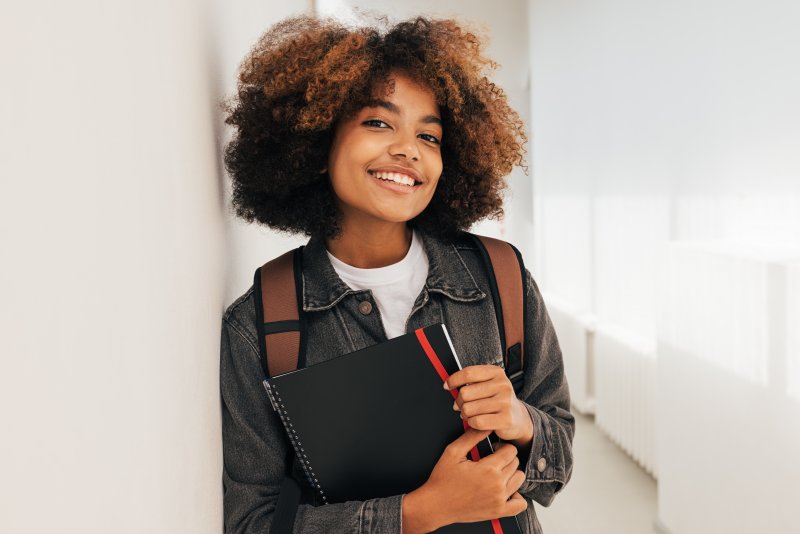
(461,446)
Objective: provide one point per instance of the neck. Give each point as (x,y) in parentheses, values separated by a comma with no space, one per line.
(370,247)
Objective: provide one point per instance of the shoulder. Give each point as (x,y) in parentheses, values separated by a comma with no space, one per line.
(473,251)
(459,247)
(240,316)
(472,242)
(473,256)
(461,241)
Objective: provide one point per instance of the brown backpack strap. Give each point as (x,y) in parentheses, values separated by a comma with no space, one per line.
(277,286)
(280,325)
(507,278)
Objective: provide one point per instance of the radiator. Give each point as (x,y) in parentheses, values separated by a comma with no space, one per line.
(625,381)
(575,332)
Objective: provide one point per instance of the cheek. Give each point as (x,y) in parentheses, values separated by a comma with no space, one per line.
(340,168)
(336,162)
(437,172)
(342,191)
(436,166)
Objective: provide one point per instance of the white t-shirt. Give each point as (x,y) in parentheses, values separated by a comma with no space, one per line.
(394,287)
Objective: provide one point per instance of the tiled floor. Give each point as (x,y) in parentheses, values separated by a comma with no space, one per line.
(608,494)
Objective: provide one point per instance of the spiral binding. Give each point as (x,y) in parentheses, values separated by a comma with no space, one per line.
(278,406)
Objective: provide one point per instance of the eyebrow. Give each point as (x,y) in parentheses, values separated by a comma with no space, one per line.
(377,103)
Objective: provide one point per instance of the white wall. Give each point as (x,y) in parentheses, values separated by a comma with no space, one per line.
(656,124)
(112,228)
(237,26)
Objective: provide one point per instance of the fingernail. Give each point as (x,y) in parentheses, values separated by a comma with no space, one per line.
(444,385)
(455,406)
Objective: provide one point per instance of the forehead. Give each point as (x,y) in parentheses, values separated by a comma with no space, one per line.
(405,91)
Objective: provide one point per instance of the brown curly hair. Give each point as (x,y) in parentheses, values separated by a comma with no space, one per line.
(306,74)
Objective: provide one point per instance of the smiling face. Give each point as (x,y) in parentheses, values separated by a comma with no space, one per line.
(386,160)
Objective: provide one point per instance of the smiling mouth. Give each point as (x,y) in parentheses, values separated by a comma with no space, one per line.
(396,177)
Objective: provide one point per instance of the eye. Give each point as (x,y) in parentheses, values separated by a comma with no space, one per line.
(375,123)
(430,138)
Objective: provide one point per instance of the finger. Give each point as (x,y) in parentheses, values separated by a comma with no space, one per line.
(510,467)
(501,456)
(480,390)
(473,373)
(481,406)
(515,481)
(515,505)
(490,421)
(461,446)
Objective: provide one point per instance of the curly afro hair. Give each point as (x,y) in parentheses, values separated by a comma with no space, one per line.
(306,74)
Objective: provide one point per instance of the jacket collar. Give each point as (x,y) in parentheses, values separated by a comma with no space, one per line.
(447,274)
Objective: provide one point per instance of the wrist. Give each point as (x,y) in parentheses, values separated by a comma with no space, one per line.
(420,514)
(525,438)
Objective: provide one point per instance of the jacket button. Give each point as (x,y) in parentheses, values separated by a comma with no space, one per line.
(541,465)
(365,307)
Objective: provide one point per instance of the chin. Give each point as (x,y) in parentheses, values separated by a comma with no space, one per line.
(397,217)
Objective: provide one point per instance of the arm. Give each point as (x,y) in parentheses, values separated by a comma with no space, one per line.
(254,452)
(546,396)
(538,423)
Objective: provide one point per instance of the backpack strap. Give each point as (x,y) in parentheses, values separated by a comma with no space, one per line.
(278,285)
(506,272)
(281,333)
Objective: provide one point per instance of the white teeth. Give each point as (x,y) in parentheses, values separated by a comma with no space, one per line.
(394,177)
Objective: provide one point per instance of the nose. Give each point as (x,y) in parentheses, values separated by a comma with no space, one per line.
(405,145)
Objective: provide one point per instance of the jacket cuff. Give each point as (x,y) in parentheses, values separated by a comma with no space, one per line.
(382,515)
(544,473)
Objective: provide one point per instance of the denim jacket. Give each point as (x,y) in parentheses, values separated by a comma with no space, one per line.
(457,294)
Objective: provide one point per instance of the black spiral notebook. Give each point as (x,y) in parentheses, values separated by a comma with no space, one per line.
(373,423)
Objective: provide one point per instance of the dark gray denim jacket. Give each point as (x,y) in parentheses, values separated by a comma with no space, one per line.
(457,294)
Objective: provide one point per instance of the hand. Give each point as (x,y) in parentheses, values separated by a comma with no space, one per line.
(487,401)
(462,491)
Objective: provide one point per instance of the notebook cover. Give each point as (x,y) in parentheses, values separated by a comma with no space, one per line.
(373,423)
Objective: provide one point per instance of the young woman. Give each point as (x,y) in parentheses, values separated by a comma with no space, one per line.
(384,146)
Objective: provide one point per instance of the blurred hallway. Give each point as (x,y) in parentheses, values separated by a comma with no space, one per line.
(608,492)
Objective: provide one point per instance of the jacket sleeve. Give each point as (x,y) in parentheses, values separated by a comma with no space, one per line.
(254,452)
(546,395)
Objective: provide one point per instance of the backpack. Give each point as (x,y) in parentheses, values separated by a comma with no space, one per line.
(281,328)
